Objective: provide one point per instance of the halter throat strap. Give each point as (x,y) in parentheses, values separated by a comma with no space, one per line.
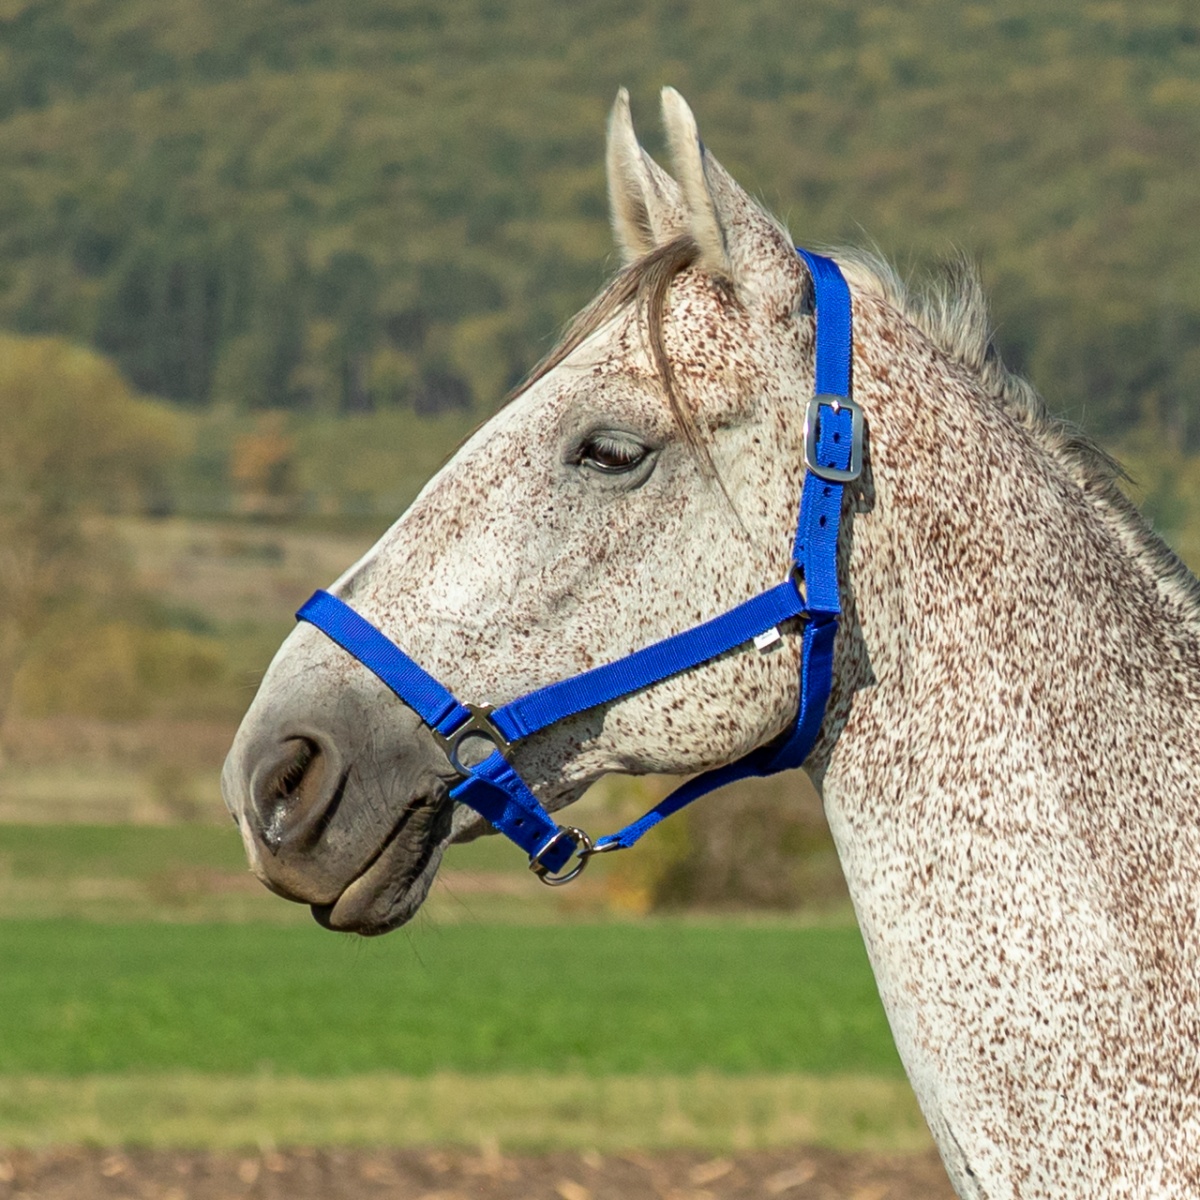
(833,447)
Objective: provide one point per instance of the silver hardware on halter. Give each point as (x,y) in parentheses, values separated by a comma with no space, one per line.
(585,848)
(477,725)
(812,416)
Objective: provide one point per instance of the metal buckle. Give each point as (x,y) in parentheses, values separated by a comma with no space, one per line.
(477,725)
(811,418)
(585,848)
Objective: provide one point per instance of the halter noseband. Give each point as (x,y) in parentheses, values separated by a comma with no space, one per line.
(833,449)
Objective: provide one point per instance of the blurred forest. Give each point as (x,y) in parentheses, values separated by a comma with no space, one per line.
(263,265)
(333,209)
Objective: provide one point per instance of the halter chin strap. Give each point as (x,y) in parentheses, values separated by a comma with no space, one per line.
(833,446)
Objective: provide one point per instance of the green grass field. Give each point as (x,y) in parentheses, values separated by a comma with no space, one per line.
(661,997)
(153,993)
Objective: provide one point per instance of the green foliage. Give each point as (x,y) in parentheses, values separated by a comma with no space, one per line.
(77,442)
(603,999)
(116,852)
(359,469)
(76,439)
(375,462)
(112,668)
(398,204)
(761,844)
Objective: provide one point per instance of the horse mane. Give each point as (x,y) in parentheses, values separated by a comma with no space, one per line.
(953,312)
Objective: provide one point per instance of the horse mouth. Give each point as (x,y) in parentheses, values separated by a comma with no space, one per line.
(391,887)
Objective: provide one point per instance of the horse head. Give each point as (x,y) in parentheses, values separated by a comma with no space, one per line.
(642,481)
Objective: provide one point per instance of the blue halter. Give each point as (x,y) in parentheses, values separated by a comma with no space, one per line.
(833,441)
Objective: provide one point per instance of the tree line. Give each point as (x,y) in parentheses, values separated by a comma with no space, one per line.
(396,203)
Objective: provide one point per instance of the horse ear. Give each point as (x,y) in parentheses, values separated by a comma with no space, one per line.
(646,203)
(732,230)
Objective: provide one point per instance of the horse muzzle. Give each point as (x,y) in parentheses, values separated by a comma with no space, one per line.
(338,809)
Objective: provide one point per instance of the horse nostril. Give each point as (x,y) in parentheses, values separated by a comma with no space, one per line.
(287,782)
(293,798)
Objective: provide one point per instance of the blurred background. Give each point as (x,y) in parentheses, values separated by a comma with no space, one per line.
(262,266)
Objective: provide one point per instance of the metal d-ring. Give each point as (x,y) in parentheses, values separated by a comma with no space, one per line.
(477,725)
(585,848)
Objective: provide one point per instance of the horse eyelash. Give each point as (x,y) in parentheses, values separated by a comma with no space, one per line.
(629,453)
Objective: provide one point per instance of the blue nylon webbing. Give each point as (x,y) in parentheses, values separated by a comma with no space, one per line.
(499,795)
(493,788)
(815,549)
(815,555)
(537,710)
(497,792)
(834,346)
(358,637)
(770,760)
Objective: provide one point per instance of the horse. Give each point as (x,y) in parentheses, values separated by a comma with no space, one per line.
(1009,755)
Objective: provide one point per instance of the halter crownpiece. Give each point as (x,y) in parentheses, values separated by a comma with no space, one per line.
(833,453)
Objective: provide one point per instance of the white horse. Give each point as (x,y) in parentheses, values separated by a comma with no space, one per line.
(1010,762)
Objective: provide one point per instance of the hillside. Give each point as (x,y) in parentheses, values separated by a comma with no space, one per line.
(342,208)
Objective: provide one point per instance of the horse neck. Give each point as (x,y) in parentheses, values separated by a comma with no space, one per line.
(1010,780)
(988,585)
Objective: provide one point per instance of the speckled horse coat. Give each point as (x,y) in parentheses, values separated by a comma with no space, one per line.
(1011,758)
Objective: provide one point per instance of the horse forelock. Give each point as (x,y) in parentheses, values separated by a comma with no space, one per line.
(646,282)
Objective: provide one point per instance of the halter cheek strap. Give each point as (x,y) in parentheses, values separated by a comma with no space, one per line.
(833,441)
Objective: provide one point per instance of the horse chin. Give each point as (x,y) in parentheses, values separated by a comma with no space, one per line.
(395,883)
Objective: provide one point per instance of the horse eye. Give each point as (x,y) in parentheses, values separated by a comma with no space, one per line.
(611,455)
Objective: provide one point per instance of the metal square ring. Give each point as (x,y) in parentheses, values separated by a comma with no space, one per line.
(477,725)
(812,418)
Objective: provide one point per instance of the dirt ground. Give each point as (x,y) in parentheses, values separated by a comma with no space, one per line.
(299,1174)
